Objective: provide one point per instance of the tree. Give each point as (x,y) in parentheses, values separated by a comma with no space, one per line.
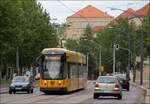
(26,25)
(146,29)
(118,35)
(72,45)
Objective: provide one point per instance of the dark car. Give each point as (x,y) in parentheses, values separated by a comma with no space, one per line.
(21,83)
(123,81)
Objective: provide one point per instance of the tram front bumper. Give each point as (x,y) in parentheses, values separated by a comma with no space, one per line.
(53,89)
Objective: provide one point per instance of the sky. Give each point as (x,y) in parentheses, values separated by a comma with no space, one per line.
(61,9)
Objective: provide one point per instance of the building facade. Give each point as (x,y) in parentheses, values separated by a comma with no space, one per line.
(141,13)
(88,15)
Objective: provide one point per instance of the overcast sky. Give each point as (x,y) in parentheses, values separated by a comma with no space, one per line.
(61,9)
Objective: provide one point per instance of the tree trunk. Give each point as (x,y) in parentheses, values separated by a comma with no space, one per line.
(0,67)
(7,73)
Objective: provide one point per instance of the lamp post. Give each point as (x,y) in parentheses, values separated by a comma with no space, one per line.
(129,57)
(114,51)
(141,43)
(100,54)
(130,53)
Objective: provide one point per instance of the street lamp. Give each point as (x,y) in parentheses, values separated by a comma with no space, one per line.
(99,54)
(141,43)
(129,58)
(130,52)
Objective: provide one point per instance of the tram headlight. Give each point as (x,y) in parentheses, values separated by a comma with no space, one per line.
(59,82)
(45,82)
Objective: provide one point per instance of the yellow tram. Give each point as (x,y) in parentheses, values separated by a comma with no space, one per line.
(62,70)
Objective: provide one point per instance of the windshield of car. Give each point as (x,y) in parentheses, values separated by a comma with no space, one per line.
(107,80)
(20,79)
(121,77)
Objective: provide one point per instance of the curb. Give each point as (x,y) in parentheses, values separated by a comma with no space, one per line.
(143,99)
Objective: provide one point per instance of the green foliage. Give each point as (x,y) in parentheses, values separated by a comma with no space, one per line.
(146,29)
(26,25)
(72,45)
(120,34)
(3,81)
(86,45)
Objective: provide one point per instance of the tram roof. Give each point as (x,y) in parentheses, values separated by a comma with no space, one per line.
(61,50)
(73,56)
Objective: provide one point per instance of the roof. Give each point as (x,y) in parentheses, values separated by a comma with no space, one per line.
(96,28)
(143,11)
(126,13)
(90,12)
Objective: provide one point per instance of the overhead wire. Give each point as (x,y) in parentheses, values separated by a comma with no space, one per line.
(71,9)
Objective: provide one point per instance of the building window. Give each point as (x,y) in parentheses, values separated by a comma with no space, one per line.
(76,25)
(74,33)
(84,24)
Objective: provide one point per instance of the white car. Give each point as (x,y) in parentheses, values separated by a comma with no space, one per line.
(107,86)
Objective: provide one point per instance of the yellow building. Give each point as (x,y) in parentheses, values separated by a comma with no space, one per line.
(88,15)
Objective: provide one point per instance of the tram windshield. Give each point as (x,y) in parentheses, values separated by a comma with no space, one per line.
(53,67)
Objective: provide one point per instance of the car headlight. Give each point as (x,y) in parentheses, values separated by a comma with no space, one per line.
(11,85)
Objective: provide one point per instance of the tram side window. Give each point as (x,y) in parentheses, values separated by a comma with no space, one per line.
(81,71)
(85,69)
(69,72)
(73,70)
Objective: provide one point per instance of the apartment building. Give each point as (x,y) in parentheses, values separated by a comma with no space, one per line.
(88,15)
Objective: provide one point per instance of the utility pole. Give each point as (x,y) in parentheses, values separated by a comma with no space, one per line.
(17,60)
(114,47)
(141,55)
(100,73)
(141,43)
(134,72)
(129,60)
(87,62)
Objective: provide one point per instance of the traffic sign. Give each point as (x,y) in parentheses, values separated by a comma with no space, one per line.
(119,63)
(127,68)
(102,68)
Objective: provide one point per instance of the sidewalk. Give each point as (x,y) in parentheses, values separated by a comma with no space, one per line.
(4,87)
(146,87)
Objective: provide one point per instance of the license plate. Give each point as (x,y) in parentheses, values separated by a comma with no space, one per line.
(18,88)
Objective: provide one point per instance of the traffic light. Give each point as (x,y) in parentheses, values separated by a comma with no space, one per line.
(113,45)
(117,46)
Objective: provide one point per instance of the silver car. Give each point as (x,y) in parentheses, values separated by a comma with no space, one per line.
(107,86)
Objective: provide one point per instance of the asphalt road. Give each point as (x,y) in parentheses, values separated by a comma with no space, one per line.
(78,97)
